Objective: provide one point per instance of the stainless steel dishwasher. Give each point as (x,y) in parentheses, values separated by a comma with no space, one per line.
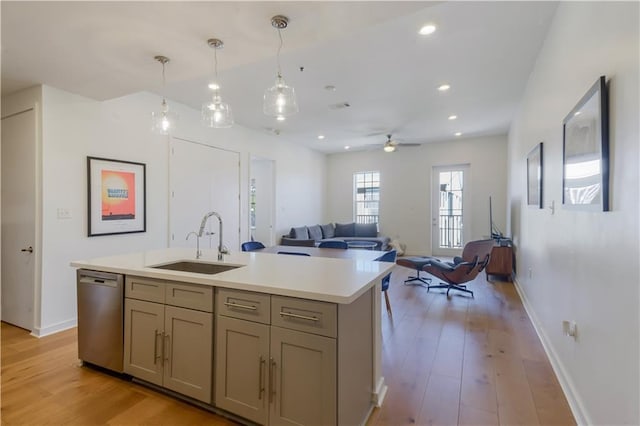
(101,318)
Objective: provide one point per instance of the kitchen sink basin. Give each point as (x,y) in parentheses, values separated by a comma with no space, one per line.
(197,267)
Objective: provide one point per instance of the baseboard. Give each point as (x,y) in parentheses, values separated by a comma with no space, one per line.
(55,328)
(380,392)
(577,408)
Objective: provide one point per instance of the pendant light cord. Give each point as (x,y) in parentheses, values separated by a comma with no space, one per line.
(215,64)
(164,84)
(278,54)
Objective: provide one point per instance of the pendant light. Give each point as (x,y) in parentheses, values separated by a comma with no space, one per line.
(280,99)
(216,113)
(163,121)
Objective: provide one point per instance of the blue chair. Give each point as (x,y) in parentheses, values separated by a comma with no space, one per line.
(295,253)
(389,256)
(336,244)
(252,245)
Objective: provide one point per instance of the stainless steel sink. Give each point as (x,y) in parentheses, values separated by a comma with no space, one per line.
(197,267)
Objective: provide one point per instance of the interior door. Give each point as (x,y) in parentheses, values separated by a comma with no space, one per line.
(450,220)
(203,179)
(18,218)
(261,200)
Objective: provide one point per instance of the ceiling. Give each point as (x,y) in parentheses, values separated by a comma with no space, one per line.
(370,51)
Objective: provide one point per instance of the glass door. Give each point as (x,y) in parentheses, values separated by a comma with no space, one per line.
(450,215)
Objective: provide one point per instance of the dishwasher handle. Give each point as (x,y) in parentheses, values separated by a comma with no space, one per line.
(98,281)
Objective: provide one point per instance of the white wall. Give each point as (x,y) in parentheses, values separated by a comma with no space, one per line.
(74,127)
(405,187)
(584,265)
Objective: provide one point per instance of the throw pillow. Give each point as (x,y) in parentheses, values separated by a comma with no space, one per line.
(315,232)
(368,230)
(345,230)
(328,231)
(300,233)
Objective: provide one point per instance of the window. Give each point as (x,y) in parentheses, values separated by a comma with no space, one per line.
(366,196)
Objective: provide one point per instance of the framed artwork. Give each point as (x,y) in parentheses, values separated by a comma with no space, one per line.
(585,149)
(534,176)
(116,197)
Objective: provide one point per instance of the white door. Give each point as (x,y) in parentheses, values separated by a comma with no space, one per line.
(450,219)
(203,179)
(18,218)
(261,196)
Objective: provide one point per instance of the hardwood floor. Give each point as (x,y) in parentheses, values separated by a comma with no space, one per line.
(457,361)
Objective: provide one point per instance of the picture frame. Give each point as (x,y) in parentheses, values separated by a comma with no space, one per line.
(585,152)
(116,197)
(534,176)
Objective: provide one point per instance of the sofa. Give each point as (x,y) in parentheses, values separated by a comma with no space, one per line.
(312,235)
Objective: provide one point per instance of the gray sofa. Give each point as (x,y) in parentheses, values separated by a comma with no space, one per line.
(311,235)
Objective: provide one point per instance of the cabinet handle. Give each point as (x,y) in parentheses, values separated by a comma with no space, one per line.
(167,345)
(304,317)
(261,377)
(237,305)
(155,347)
(272,391)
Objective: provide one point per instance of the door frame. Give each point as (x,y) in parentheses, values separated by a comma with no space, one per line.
(253,157)
(436,250)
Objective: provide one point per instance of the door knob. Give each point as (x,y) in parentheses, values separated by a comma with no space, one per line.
(29,249)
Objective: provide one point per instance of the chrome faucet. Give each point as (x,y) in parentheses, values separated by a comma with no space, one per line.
(198,252)
(221,249)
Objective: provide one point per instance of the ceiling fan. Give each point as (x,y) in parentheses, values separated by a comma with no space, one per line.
(391,145)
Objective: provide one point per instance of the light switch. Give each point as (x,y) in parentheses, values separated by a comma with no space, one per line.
(64,213)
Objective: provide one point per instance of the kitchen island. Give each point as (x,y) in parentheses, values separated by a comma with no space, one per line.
(274,339)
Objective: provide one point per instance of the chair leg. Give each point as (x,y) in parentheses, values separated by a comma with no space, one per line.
(421,280)
(386,299)
(449,287)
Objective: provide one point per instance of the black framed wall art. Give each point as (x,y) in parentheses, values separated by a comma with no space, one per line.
(534,176)
(585,179)
(116,196)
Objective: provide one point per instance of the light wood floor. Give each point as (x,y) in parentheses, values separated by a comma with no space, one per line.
(446,361)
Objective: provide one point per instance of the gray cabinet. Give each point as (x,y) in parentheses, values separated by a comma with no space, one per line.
(170,346)
(271,374)
(302,374)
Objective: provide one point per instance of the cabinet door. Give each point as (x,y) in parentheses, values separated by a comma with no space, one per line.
(143,326)
(302,368)
(242,353)
(188,338)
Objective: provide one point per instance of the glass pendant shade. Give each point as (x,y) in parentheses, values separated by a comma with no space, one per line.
(163,122)
(280,100)
(217,114)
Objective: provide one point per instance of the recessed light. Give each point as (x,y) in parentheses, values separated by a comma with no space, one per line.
(458,133)
(576,113)
(320,137)
(427,29)
(280,118)
(453,117)
(347,147)
(444,87)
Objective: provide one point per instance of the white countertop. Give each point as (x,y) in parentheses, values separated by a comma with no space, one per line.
(317,278)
